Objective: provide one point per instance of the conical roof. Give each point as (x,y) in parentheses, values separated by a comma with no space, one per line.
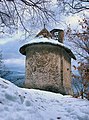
(46,41)
(44,33)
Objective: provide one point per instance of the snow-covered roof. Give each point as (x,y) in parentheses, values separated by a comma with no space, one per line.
(42,40)
(45,33)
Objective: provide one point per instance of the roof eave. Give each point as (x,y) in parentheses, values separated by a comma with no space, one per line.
(23,48)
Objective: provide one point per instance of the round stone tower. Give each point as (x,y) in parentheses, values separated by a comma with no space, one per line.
(48,63)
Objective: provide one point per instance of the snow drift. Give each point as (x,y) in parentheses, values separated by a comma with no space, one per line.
(28,104)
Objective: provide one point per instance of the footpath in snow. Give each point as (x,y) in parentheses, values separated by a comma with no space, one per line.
(28,104)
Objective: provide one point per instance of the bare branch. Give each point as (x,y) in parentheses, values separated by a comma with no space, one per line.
(25,10)
(76,6)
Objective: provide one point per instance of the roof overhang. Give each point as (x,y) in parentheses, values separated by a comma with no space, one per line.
(23,48)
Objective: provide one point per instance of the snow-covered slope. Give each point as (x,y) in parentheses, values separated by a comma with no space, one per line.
(24,104)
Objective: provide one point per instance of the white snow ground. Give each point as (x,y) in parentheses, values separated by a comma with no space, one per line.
(28,104)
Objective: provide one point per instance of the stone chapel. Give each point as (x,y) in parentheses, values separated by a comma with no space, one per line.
(48,62)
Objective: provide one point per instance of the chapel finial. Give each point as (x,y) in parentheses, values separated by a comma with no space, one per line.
(44,32)
(44,25)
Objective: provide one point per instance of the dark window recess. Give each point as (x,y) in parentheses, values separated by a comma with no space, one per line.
(61,71)
(67,68)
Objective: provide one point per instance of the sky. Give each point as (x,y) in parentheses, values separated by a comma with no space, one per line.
(11,55)
(10,44)
(10,47)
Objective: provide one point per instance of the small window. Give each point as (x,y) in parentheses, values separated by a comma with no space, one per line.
(56,33)
(67,69)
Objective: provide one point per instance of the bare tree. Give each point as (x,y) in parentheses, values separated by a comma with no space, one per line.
(82,84)
(3,69)
(80,40)
(28,13)
(75,6)
(23,13)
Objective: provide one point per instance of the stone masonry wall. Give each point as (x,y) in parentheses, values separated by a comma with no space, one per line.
(67,72)
(43,68)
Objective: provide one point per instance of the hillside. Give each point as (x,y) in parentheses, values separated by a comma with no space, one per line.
(16,77)
(28,104)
